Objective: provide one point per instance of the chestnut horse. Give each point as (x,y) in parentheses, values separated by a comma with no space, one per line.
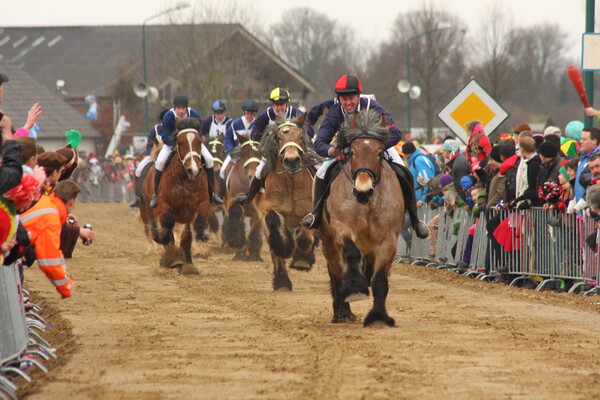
(364,215)
(287,198)
(217,150)
(246,158)
(182,197)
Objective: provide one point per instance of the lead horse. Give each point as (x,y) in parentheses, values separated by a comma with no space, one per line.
(364,215)
(182,198)
(289,172)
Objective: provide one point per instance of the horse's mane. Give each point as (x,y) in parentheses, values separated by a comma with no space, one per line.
(186,123)
(368,123)
(269,147)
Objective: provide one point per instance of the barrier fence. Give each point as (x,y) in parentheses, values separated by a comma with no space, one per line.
(534,247)
(20,340)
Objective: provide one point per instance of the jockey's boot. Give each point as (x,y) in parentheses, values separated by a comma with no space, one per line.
(410,201)
(157,175)
(255,185)
(137,192)
(214,198)
(313,220)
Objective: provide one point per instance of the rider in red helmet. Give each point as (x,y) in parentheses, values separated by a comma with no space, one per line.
(348,89)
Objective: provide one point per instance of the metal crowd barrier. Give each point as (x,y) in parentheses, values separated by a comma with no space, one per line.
(20,340)
(541,248)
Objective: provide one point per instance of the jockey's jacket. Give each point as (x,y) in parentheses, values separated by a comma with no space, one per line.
(211,128)
(239,127)
(313,115)
(43,222)
(152,135)
(168,124)
(268,117)
(335,117)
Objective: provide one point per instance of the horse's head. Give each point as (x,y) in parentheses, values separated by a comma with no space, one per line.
(189,146)
(217,150)
(250,156)
(366,134)
(290,136)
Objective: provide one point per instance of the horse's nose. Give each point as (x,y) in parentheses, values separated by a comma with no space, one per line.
(292,162)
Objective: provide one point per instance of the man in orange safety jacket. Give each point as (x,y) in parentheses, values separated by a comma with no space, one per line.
(43,221)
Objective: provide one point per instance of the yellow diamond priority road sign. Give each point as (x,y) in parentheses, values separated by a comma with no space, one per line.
(472,102)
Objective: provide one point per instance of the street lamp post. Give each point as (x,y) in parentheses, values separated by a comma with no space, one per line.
(178,6)
(442,26)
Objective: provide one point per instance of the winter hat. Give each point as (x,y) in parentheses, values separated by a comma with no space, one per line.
(21,132)
(552,130)
(563,172)
(483,163)
(466,182)
(450,145)
(547,149)
(495,154)
(73,138)
(446,179)
(478,129)
(539,139)
(71,156)
(408,148)
(574,129)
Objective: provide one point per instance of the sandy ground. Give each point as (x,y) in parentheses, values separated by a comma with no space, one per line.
(135,330)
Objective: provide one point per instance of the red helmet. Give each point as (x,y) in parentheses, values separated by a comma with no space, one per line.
(348,85)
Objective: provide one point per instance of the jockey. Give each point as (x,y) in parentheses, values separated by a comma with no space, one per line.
(213,128)
(239,128)
(180,110)
(280,107)
(349,89)
(313,115)
(153,135)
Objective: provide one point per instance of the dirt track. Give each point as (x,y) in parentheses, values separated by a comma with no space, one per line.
(135,330)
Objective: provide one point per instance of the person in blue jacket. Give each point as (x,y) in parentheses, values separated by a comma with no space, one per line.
(180,110)
(348,89)
(422,169)
(315,113)
(280,107)
(240,127)
(214,127)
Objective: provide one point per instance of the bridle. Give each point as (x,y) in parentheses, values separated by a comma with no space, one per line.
(190,153)
(253,145)
(213,147)
(374,176)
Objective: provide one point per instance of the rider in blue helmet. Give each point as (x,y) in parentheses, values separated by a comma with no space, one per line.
(216,126)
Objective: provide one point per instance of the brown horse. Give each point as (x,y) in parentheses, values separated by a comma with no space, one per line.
(364,215)
(182,197)
(217,150)
(246,158)
(287,198)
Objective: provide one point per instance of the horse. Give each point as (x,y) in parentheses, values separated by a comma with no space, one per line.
(240,172)
(182,198)
(217,150)
(363,216)
(288,173)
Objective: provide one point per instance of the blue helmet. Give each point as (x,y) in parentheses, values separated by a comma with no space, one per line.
(219,107)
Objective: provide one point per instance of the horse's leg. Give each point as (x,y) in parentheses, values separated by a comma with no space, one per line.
(254,241)
(213,222)
(341,308)
(379,286)
(303,258)
(186,247)
(200,228)
(234,231)
(164,234)
(281,280)
(354,284)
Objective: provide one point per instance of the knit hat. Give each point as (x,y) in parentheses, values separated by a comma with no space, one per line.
(450,145)
(563,172)
(539,139)
(522,127)
(547,149)
(495,154)
(73,138)
(446,179)
(466,182)
(552,130)
(574,129)
(408,148)
(478,129)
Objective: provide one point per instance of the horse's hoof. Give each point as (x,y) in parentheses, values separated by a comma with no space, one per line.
(376,318)
(355,297)
(301,265)
(254,257)
(189,269)
(283,289)
(176,264)
(341,318)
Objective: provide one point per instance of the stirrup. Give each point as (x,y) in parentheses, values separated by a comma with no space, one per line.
(308,220)
(135,202)
(215,199)
(241,199)
(153,201)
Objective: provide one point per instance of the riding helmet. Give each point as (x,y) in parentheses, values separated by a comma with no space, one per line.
(279,96)
(180,101)
(348,85)
(219,107)
(250,105)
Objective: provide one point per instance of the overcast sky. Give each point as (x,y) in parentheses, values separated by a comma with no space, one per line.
(373,19)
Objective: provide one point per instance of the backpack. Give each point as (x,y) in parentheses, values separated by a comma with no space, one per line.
(433,160)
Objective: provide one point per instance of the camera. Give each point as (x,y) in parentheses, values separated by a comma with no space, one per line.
(86,242)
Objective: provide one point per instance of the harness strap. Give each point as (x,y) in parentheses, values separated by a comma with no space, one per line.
(250,143)
(218,160)
(187,130)
(215,142)
(251,160)
(291,144)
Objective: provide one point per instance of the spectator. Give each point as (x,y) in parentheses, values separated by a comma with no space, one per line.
(52,163)
(517,132)
(479,145)
(551,161)
(590,141)
(458,164)
(422,170)
(527,173)
(508,168)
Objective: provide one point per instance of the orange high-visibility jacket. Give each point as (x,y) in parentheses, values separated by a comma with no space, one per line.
(43,222)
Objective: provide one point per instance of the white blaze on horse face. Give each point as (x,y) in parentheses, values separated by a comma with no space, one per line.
(363,183)
(193,165)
